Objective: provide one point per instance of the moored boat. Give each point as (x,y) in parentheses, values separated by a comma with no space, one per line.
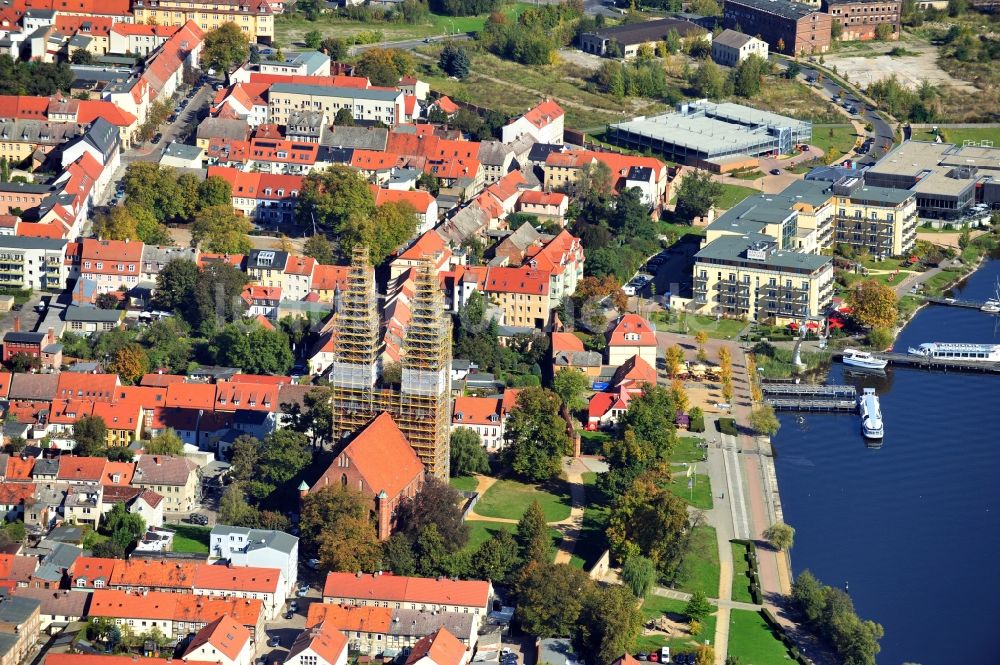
(871,414)
(987,353)
(863,359)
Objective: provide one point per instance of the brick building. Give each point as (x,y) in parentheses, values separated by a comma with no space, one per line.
(788,27)
(860,18)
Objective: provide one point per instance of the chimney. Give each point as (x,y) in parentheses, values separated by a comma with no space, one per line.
(17,323)
(52,335)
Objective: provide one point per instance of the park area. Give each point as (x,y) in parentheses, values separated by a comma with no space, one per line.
(190,539)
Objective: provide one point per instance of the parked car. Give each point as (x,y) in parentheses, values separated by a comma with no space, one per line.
(775,171)
(313,563)
(293,605)
(303,590)
(157,139)
(198,518)
(274,641)
(288,615)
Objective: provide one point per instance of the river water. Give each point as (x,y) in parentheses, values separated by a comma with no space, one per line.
(911,529)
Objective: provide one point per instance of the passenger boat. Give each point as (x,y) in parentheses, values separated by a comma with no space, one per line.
(990,307)
(871,414)
(863,359)
(987,353)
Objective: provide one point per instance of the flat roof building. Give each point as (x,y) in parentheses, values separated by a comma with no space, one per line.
(702,131)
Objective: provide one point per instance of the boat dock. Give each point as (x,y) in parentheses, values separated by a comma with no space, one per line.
(809,397)
(936,364)
(951,302)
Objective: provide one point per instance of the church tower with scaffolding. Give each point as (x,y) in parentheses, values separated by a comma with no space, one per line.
(421,404)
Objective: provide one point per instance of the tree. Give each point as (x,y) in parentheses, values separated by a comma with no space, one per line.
(705,655)
(107,301)
(391,225)
(884,32)
(639,575)
(696,194)
(130,363)
(91,436)
(344,118)
(335,524)
(609,624)
(536,435)
(168,344)
(253,348)
(167,443)
(116,224)
(497,558)
(880,338)
(468,457)
(437,503)
(454,60)
(551,598)
(674,358)
(16,532)
(874,304)
(219,229)
(533,539)
(314,39)
(780,536)
(570,385)
(397,554)
(430,552)
(384,67)
(709,81)
(234,509)
(124,527)
(22,362)
(214,191)
(763,421)
(698,607)
(748,76)
(793,68)
(333,197)
(318,247)
(108,549)
(225,48)
(334,47)
(81,56)
(175,284)
(649,520)
(324,508)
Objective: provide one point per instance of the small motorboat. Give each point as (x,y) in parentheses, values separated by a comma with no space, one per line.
(863,359)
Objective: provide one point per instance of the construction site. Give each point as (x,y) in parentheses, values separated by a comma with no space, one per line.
(421,403)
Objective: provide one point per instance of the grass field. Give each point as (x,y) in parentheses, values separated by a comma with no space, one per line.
(741,574)
(960,135)
(733,194)
(508,499)
(592,541)
(699,496)
(686,450)
(751,639)
(463,483)
(655,606)
(480,532)
(838,137)
(699,570)
(190,538)
(939,283)
(592,443)
(692,323)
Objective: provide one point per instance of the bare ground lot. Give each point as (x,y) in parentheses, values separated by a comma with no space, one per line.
(873,64)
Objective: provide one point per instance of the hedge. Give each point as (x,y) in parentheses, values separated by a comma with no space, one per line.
(727,426)
(696,424)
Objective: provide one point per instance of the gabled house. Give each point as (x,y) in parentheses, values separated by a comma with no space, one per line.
(631,335)
(222,641)
(319,645)
(440,648)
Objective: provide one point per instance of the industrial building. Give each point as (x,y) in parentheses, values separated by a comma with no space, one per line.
(792,28)
(624,41)
(948,180)
(421,405)
(706,134)
(730,48)
(860,18)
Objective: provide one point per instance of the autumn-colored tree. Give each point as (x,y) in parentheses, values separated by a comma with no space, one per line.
(599,288)
(679,396)
(725,357)
(336,525)
(219,229)
(130,363)
(874,304)
(116,224)
(727,392)
(701,337)
(674,357)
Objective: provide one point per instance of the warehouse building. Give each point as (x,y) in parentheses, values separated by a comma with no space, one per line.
(792,28)
(730,48)
(709,135)
(624,41)
(948,180)
(860,18)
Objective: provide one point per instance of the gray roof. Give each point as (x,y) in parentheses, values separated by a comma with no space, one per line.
(274,259)
(33,386)
(55,563)
(45,467)
(40,13)
(493,153)
(557,651)
(358,138)
(223,128)
(334,91)
(16,610)
(24,188)
(313,60)
(21,242)
(649,31)
(259,538)
(103,136)
(731,38)
(8,642)
(67,603)
(782,8)
(38,131)
(733,249)
(91,314)
(183,151)
(422,622)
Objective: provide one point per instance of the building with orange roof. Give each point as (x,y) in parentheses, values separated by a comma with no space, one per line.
(428,247)
(262,300)
(374,630)
(568,353)
(139,38)
(440,648)
(606,408)
(87,470)
(63,414)
(255,17)
(263,584)
(546,206)
(267,198)
(648,174)
(142,575)
(118,473)
(13,497)
(124,420)
(191,396)
(223,641)
(16,469)
(445,105)
(96,30)
(414,593)
(106,659)
(326,280)
(111,264)
(320,645)
(483,415)
(380,463)
(192,613)
(93,572)
(422,202)
(16,570)
(5,379)
(522,295)
(247,396)
(156,380)
(544,123)
(631,335)
(116,9)
(96,387)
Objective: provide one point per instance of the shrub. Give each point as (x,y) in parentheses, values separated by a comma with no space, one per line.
(727,426)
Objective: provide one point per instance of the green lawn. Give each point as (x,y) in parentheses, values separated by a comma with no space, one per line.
(839,137)
(686,450)
(692,323)
(508,499)
(941,282)
(463,483)
(653,607)
(733,194)
(961,135)
(592,541)
(480,532)
(189,538)
(592,443)
(699,569)
(752,640)
(741,574)
(699,495)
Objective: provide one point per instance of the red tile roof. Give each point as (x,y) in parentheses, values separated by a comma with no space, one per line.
(191,395)
(327,278)
(193,609)
(631,330)
(634,371)
(16,494)
(324,640)
(544,113)
(566,342)
(19,468)
(97,659)
(161,380)
(124,470)
(446,105)
(350,617)
(16,106)
(441,647)
(518,280)
(17,568)
(237,578)
(88,568)
(72,467)
(96,387)
(224,635)
(429,245)
(110,251)
(536,197)
(476,411)
(246,397)
(96,7)
(5,379)
(144,29)
(158,573)
(397,588)
(419,199)
(124,605)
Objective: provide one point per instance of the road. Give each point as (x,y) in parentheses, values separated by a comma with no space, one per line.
(410,44)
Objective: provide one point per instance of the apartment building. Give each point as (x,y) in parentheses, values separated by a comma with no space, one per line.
(267,198)
(522,294)
(111,264)
(861,18)
(411,593)
(788,27)
(373,631)
(254,17)
(365,105)
(879,220)
(176,479)
(749,276)
(139,38)
(33,263)
(486,416)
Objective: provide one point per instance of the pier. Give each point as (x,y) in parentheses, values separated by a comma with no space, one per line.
(935,364)
(951,302)
(805,390)
(813,405)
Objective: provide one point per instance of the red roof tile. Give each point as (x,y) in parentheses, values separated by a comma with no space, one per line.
(237,578)
(631,330)
(72,467)
(224,635)
(350,617)
(441,647)
(397,588)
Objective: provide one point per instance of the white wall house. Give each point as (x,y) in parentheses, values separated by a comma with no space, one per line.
(257,547)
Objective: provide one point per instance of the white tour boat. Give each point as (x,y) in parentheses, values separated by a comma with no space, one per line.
(863,359)
(871,414)
(987,353)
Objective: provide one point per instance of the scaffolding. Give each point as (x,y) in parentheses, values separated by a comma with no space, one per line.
(421,406)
